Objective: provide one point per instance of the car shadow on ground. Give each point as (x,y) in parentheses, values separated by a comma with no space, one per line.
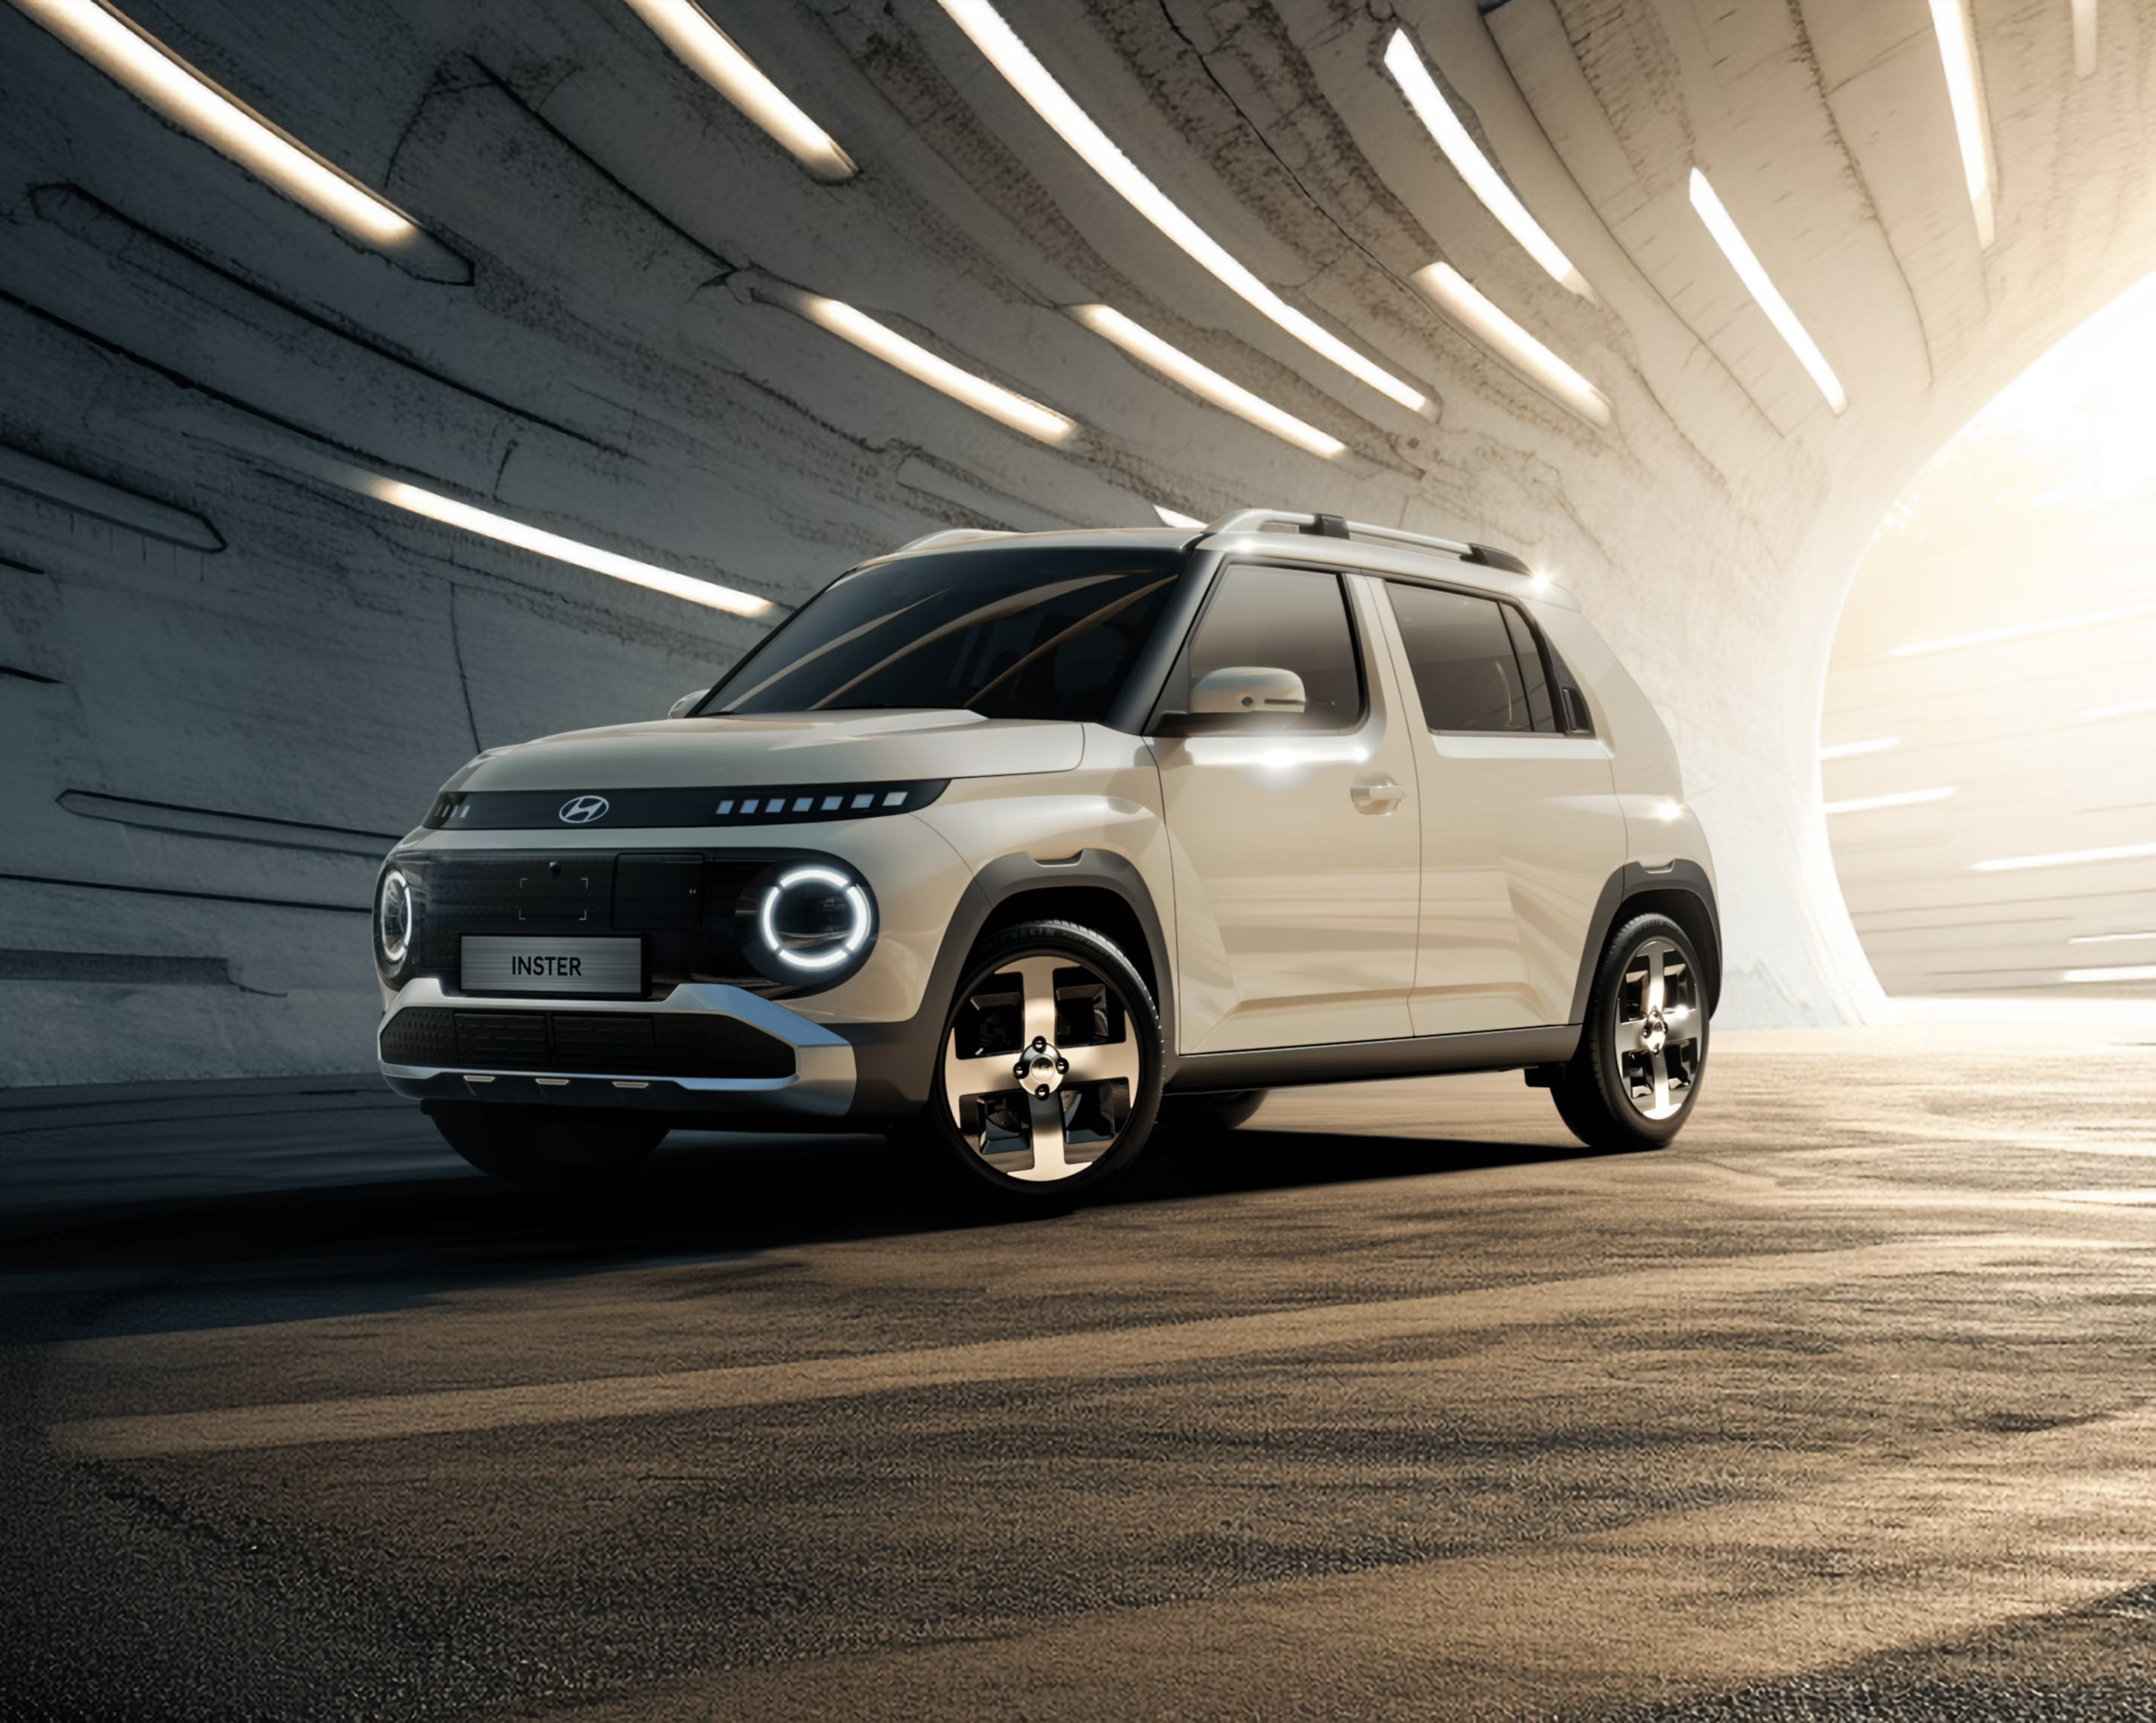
(331,1250)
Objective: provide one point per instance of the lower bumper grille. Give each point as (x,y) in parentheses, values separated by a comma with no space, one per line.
(633,1043)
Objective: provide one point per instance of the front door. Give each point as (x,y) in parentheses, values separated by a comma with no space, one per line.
(1296,852)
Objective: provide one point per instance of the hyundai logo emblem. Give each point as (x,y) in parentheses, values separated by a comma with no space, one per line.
(583,809)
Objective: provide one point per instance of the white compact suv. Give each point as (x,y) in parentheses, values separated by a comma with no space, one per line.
(1019,844)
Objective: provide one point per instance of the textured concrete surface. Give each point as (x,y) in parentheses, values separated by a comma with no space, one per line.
(1398,1405)
(231,683)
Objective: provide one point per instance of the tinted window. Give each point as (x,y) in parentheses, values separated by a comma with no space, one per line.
(1286,619)
(1466,667)
(1530,655)
(1026,632)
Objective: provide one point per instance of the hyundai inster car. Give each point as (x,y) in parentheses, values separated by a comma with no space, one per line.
(1017,846)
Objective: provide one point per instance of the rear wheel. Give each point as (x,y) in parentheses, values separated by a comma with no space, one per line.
(546,1148)
(1643,1047)
(1049,1077)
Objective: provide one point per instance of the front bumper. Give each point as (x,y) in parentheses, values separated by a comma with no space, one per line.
(820,1087)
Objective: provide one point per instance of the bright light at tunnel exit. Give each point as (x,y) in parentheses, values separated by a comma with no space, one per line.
(1047,98)
(713,56)
(1753,274)
(152,72)
(503,531)
(1471,165)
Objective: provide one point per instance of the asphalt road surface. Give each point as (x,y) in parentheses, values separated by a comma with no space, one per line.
(1394,1404)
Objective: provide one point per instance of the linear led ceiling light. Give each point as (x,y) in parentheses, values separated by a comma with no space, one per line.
(1965,95)
(1202,380)
(711,54)
(1050,99)
(1851,750)
(503,531)
(2109,939)
(1746,262)
(1005,406)
(1511,342)
(1172,517)
(152,72)
(2084,38)
(2065,858)
(2025,630)
(2117,709)
(2130,972)
(1471,164)
(1899,798)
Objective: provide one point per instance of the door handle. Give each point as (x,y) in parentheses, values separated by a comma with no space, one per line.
(1379,795)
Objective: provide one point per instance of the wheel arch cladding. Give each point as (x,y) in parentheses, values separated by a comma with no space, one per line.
(895,1062)
(1682,892)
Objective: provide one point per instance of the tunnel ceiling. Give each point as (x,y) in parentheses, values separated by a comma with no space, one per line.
(614,326)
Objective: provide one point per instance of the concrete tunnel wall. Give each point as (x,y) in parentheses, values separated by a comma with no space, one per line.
(229,683)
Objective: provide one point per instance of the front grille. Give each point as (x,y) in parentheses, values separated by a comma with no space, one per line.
(684,904)
(629,1043)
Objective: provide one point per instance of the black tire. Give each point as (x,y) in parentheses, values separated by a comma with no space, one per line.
(1099,1005)
(546,1148)
(1209,1115)
(1608,1096)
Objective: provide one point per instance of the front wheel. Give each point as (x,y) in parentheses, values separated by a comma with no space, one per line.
(1643,1047)
(546,1148)
(1049,1071)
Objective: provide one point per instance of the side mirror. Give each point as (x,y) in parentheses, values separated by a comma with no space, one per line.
(1237,697)
(1244,688)
(682,706)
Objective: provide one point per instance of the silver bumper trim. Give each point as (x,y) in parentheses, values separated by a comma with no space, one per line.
(822,1085)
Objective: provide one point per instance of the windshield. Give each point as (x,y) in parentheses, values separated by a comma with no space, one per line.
(1030,632)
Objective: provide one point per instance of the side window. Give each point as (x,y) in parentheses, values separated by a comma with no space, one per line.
(1466,668)
(1286,619)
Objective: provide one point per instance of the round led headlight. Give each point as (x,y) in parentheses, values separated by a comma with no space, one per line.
(815,922)
(396,917)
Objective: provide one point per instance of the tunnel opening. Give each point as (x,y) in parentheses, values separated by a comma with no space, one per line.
(1988,711)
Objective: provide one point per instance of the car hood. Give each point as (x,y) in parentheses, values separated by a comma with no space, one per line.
(788,748)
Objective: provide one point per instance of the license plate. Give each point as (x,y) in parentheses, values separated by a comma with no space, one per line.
(538,964)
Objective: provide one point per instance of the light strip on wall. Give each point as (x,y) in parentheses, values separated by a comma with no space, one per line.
(2117,709)
(2084,38)
(1749,270)
(2065,858)
(1140,343)
(1965,94)
(1050,99)
(154,73)
(1511,342)
(1004,406)
(1851,750)
(1899,798)
(711,54)
(2130,972)
(1471,165)
(503,531)
(2023,630)
(2109,939)
(1171,517)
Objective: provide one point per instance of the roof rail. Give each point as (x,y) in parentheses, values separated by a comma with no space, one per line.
(949,536)
(1256,520)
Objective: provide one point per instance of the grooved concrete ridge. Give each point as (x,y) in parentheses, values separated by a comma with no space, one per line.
(1399,1405)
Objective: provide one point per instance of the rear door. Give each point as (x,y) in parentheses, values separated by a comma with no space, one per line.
(1296,852)
(1520,822)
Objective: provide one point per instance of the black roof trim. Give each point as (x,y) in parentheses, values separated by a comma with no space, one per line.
(1491,557)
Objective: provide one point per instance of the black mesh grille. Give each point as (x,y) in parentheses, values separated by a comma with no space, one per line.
(624,1043)
(682,903)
